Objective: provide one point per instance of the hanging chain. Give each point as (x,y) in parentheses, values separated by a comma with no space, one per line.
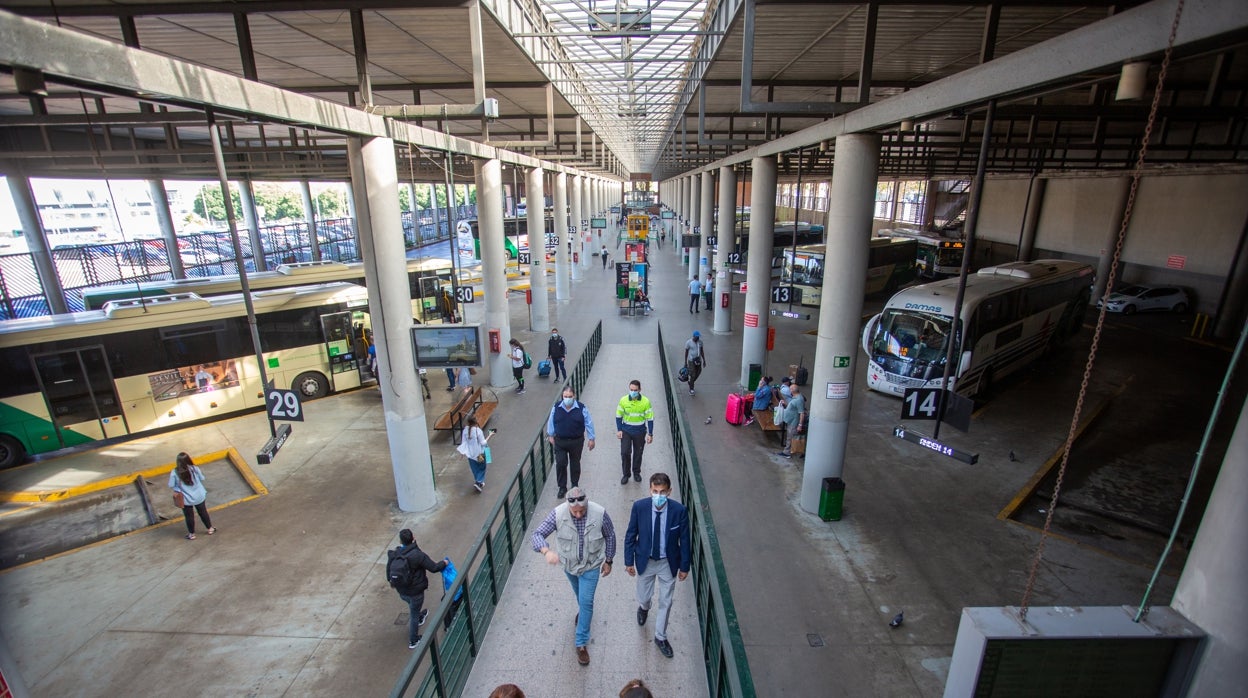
(1136,173)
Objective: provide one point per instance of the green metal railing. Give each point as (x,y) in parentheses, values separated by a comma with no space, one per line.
(727,671)
(441,666)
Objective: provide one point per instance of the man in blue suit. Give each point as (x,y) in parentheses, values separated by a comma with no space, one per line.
(656,546)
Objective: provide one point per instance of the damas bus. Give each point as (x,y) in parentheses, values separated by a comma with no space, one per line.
(1011,314)
(140,365)
(890,264)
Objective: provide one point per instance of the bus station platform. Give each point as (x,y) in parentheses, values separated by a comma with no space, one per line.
(289,596)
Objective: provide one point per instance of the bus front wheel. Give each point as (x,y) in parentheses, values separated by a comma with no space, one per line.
(311,385)
(11,452)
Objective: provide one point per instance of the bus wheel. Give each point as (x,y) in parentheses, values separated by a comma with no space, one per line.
(311,385)
(11,452)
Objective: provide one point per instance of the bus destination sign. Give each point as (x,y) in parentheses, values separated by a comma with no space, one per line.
(915,437)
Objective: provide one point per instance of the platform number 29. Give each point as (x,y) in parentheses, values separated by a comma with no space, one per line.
(285,405)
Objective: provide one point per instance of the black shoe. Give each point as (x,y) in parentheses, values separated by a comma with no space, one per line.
(624,480)
(423,615)
(636,477)
(782,454)
(412,645)
(665,647)
(642,614)
(561,494)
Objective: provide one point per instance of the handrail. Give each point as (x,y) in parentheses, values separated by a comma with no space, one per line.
(444,660)
(727,669)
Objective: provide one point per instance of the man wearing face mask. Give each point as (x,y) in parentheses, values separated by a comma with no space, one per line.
(567,429)
(656,546)
(585,544)
(556,351)
(634,427)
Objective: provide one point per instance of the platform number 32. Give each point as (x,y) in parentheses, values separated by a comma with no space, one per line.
(285,405)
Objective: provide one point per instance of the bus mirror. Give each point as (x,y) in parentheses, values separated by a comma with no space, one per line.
(966,362)
(867,333)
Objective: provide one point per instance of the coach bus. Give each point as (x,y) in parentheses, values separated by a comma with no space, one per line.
(140,365)
(938,257)
(890,264)
(1011,314)
(426,279)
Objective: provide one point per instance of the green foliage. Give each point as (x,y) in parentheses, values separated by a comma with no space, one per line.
(210,205)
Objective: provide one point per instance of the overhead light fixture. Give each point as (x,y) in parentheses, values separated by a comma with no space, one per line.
(1132,81)
(907,125)
(30,82)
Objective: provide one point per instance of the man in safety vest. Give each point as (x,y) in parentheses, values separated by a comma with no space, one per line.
(634,427)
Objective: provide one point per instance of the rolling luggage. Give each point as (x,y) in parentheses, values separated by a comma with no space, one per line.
(734,411)
(543,368)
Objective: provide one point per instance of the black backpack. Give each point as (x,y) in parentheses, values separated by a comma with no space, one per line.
(399,571)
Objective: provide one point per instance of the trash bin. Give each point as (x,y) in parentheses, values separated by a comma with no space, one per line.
(756,374)
(831,499)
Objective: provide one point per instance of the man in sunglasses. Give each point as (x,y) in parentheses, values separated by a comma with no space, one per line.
(585,545)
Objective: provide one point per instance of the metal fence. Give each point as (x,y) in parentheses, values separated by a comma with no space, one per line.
(445,658)
(444,661)
(202,255)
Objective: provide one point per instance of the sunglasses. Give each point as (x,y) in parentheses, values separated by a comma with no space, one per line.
(574,500)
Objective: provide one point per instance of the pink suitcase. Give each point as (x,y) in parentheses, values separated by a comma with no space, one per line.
(734,411)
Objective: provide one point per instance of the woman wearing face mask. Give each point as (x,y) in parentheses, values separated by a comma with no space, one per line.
(557,351)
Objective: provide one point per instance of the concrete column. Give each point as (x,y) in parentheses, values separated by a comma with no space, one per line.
(535,195)
(309,214)
(493,267)
(586,211)
(1210,590)
(412,209)
(437,217)
(724,231)
(37,242)
(683,226)
(374,186)
(1031,219)
(1230,316)
(758,265)
(251,219)
(1118,206)
(562,258)
(850,207)
(707,216)
(164,218)
(574,230)
(695,215)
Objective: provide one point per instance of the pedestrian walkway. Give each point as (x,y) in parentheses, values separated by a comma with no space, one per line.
(531,637)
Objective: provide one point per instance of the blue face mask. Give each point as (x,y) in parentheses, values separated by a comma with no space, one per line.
(634,394)
(659,500)
(569,401)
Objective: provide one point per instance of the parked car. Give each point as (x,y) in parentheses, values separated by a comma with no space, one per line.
(1139,297)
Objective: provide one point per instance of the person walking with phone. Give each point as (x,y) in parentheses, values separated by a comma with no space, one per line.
(517,364)
(472,445)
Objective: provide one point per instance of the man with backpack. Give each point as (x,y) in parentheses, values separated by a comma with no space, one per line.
(406,566)
(695,357)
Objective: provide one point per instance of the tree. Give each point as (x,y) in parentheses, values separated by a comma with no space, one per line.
(332,203)
(210,205)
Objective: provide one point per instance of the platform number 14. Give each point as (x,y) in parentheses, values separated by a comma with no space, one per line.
(920,403)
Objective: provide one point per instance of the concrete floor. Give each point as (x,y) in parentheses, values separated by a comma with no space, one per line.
(289,597)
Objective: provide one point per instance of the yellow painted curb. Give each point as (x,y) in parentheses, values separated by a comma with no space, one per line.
(34,497)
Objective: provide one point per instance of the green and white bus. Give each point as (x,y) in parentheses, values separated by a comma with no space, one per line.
(140,365)
(1011,314)
(890,265)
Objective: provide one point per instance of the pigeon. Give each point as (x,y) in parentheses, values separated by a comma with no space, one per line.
(708,420)
(1013,457)
(897,620)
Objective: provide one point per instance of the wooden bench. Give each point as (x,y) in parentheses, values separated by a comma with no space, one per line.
(764,419)
(470,402)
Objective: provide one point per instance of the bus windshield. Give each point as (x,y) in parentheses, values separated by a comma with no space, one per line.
(911,343)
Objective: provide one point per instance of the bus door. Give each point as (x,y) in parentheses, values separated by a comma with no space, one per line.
(81,398)
(340,347)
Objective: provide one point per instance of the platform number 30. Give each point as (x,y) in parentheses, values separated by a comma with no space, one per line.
(285,405)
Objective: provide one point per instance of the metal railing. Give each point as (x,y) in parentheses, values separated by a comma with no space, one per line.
(727,671)
(445,657)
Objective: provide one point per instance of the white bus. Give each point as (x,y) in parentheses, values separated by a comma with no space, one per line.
(426,279)
(136,366)
(1011,314)
(937,257)
(890,264)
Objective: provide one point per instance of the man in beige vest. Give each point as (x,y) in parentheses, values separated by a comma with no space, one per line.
(585,545)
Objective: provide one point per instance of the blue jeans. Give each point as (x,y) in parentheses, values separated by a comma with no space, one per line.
(584,586)
(414,604)
(450,376)
(478,470)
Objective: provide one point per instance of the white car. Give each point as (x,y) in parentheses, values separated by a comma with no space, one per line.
(1132,299)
